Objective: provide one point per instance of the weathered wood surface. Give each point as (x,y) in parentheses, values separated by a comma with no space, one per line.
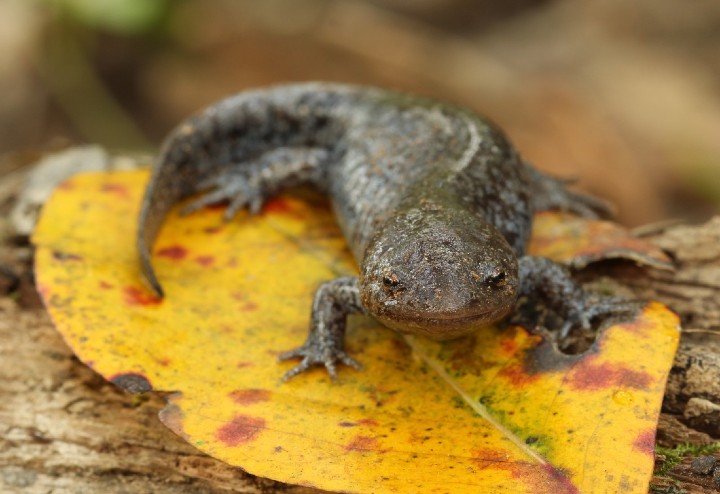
(64,429)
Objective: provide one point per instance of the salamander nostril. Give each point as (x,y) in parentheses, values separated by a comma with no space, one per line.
(391,280)
(497,278)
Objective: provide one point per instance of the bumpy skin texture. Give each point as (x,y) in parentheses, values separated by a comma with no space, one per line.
(434,201)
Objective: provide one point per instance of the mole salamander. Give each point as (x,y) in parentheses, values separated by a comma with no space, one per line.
(434,201)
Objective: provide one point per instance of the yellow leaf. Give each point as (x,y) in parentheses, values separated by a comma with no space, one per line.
(500,411)
(584,241)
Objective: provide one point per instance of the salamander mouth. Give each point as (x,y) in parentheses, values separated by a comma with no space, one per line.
(443,326)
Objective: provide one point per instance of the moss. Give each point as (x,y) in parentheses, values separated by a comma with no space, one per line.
(674,456)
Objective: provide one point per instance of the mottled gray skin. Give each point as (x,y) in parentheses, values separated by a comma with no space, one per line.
(433,200)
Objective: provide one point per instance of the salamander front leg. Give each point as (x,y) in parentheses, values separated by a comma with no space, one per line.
(333,302)
(541,277)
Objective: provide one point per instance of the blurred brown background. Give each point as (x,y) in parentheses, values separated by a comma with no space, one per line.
(623,95)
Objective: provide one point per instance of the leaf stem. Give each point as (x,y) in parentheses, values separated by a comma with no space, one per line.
(479,408)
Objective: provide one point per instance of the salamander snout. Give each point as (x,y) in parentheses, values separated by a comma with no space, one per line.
(443,281)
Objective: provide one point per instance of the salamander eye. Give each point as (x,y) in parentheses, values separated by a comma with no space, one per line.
(497,277)
(391,279)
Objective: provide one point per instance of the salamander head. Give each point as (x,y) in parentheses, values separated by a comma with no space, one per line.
(437,272)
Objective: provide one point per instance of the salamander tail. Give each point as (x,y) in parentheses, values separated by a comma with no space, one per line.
(166,188)
(149,273)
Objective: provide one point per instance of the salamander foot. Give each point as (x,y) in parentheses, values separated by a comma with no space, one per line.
(549,284)
(333,302)
(314,353)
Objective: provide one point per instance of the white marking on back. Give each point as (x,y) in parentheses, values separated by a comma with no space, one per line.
(437,115)
(472,148)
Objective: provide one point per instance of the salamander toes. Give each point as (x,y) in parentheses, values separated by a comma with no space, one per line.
(598,307)
(204,200)
(312,356)
(304,365)
(552,193)
(614,307)
(236,204)
(236,190)
(589,206)
(350,362)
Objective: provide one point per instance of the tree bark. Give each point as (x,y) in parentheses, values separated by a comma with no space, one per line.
(65,429)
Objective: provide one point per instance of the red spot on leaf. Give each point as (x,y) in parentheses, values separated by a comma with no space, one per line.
(561,480)
(105,285)
(205,261)
(241,429)
(538,477)
(243,365)
(362,443)
(250,396)
(529,473)
(490,458)
(488,454)
(368,422)
(164,361)
(136,296)
(278,206)
(517,375)
(117,189)
(174,252)
(587,375)
(634,379)
(645,442)
(211,230)
(509,347)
